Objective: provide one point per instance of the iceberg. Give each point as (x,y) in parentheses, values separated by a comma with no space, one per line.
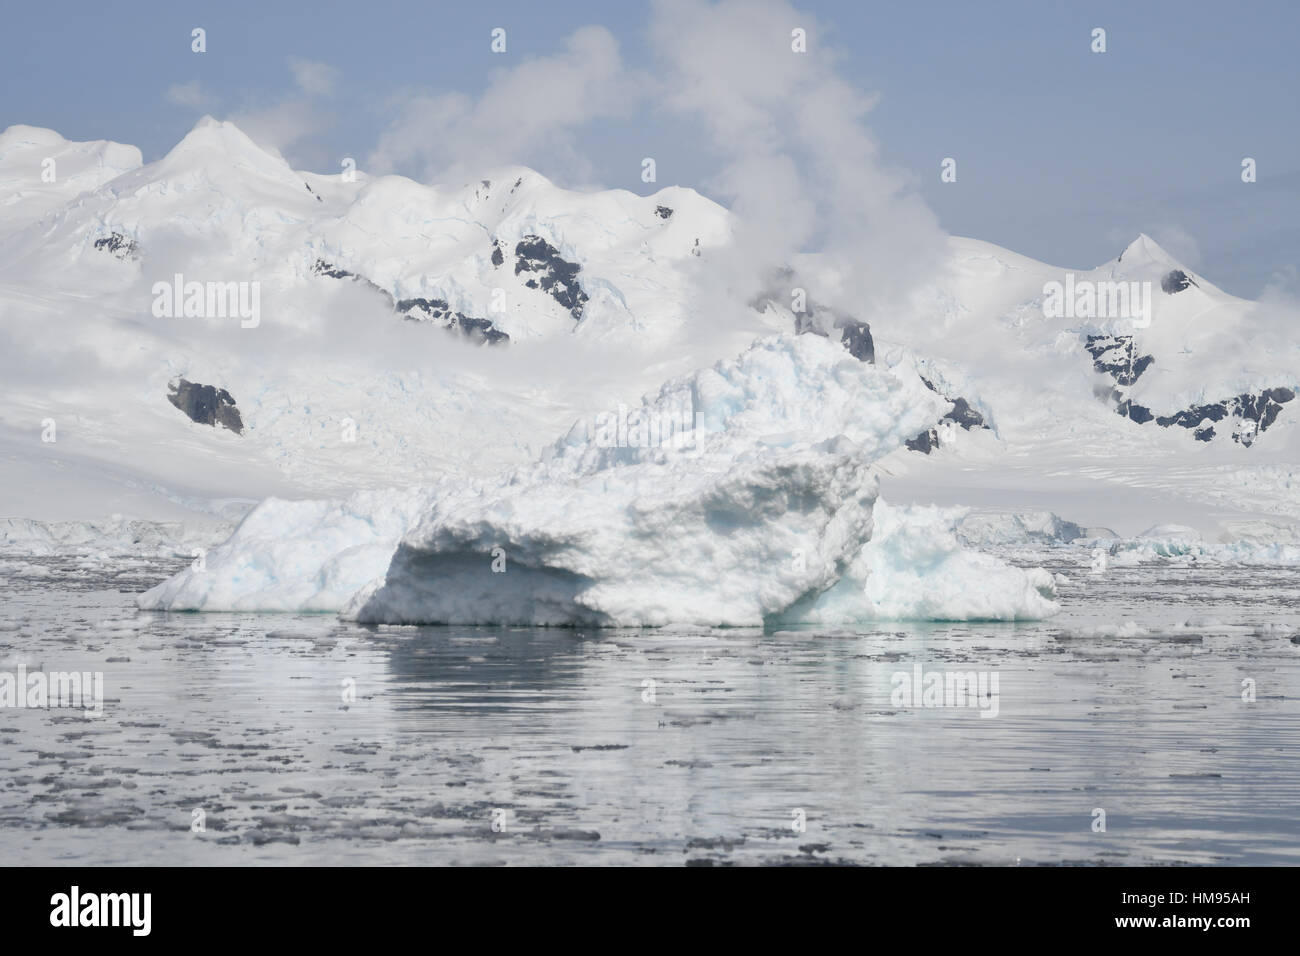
(915,567)
(759,509)
(293,556)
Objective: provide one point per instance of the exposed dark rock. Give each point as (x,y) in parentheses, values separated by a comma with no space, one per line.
(1193,416)
(853,334)
(1175,281)
(533,254)
(961,413)
(120,246)
(663,212)
(1250,414)
(856,337)
(206,405)
(1116,355)
(925,442)
(323,268)
(437,310)
(430,310)
(1138,413)
(1260,410)
(964,415)
(498,257)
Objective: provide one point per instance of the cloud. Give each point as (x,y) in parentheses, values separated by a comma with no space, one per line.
(313,77)
(292,125)
(190,95)
(1179,243)
(800,167)
(287,127)
(1277,311)
(527,114)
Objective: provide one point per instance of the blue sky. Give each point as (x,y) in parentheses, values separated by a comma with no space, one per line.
(1063,154)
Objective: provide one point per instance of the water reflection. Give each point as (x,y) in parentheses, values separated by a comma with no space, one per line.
(304,739)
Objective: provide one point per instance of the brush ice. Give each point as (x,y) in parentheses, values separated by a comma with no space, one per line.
(1132,552)
(115,535)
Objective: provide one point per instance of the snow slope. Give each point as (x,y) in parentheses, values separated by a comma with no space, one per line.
(1148,425)
(41,171)
(335,388)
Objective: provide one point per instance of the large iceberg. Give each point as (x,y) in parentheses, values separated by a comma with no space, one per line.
(735,496)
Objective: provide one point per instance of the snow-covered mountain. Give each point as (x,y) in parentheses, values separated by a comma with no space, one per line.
(332,387)
(1183,410)
(198,333)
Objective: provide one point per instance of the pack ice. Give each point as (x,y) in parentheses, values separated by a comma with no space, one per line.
(737,495)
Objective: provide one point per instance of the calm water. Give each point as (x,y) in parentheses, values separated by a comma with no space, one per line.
(556,738)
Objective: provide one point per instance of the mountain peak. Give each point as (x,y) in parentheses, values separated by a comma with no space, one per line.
(209,133)
(213,145)
(1144,250)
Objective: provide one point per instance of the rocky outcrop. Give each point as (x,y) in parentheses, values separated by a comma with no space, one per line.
(1116,356)
(1175,281)
(206,405)
(853,334)
(1138,413)
(439,312)
(323,268)
(1249,414)
(961,414)
(856,337)
(550,273)
(436,311)
(119,246)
